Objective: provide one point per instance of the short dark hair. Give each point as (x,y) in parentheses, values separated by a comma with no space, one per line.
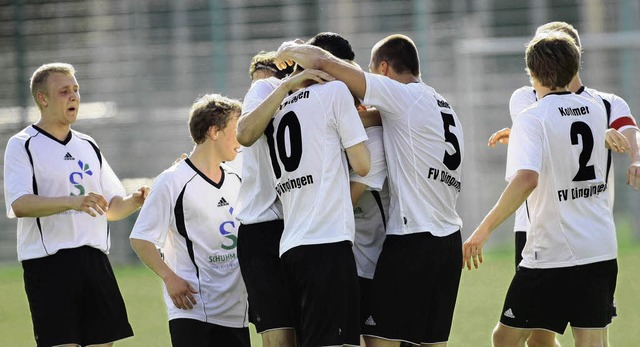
(334,44)
(553,59)
(399,52)
(211,110)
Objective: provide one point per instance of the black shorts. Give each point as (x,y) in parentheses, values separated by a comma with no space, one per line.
(323,281)
(550,298)
(194,333)
(415,288)
(263,275)
(74,298)
(521,240)
(365,299)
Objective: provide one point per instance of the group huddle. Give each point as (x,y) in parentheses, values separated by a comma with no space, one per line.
(339,225)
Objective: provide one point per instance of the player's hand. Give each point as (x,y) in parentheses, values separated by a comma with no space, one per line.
(180,292)
(92,203)
(616,141)
(309,75)
(500,136)
(291,52)
(633,174)
(140,195)
(472,249)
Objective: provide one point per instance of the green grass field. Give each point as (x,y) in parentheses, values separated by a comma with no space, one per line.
(478,309)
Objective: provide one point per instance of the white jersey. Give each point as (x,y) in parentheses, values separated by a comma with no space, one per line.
(38,163)
(306,141)
(560,138)
(423,143)
(257,200)
(191,218)
(372,209)
(620,118)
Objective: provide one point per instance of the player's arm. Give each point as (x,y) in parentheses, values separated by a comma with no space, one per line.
(370,117)
(120,207)
(251,125)
(357,189)
(359,158)
(31,205)
(312,57)
(180,291)
(516,192)
(632,134)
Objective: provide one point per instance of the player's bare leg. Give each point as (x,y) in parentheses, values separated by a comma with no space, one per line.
(542,338)
(378,342)
(504,336)
(590,337)
(101,345)
(279,337)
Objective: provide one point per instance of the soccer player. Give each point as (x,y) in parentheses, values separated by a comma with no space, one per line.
(63,191)
(307,130)
(260,214)
(423,144)
(262,67)
(370,197)
(190,216)
(569,260)
(620,121)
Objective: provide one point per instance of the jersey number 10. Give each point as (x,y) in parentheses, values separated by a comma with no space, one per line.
(289,161)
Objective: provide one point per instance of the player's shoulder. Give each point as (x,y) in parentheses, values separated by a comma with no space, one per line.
(231,172)
(83,136)
(524,95)
(611,98)
(24,135)
(272,82)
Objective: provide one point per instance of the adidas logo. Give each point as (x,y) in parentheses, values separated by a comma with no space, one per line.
(509,313)
(370,321)
(223,202)
(68,156)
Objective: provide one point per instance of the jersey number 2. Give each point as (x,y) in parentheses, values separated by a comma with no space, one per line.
(290,161)
(451,161)
(585,172)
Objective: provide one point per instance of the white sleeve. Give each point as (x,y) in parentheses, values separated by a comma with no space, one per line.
(154,220)
(521,99)
(621,117)
(348,123)
(18,174)
(390,97)
(525,145)
(109,182)
(378,172)
(258,91)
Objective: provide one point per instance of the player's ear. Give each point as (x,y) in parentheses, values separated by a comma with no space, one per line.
(213,132)
(383,67)
(42,99)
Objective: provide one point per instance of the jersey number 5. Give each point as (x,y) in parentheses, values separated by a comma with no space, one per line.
(585,172)
(291,160)
(451,161)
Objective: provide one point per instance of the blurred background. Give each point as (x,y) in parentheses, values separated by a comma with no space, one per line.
(140,65)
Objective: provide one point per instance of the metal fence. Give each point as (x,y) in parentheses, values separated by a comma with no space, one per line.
(141,63)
